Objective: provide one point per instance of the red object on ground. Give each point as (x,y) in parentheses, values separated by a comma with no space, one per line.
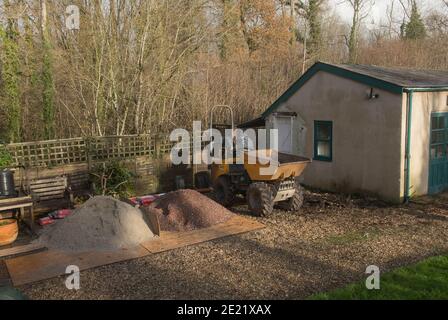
(46,221)
(60,214)
(147,200)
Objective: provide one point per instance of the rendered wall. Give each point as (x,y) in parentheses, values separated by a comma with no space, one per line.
(368,135)
(424,104)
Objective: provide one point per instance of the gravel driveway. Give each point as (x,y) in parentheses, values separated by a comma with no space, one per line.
(328,245)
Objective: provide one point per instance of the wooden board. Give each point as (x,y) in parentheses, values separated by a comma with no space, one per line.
(6,215)
(173,240)
(16,205)
(5,280)
(16,201)
(20,250)
(51,264)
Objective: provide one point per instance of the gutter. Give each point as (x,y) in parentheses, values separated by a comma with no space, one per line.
(436,89)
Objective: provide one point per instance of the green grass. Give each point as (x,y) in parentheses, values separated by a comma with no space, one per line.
(427,280)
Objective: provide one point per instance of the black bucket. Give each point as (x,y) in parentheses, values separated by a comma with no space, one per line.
(7,187)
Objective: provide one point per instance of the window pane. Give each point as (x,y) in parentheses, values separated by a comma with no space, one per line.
(438,152)
(324,149)
(438,137)
(438,123)
(324,131)
(442,122)
(441,151)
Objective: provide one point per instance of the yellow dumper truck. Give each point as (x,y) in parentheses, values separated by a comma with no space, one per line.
(263,188)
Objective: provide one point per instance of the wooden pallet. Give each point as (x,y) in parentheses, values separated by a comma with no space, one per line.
(50,264)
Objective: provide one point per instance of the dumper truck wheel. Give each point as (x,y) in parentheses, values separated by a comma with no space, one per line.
(296,202)
(223,191)
(260,199)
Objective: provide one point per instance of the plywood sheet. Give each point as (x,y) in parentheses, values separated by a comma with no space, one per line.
(50,264)
(173,240)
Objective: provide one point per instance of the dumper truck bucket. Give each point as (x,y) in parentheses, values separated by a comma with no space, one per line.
(262,166)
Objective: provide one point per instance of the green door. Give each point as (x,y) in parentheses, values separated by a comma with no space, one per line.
(438,168)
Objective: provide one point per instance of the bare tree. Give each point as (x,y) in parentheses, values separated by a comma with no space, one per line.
(361,10)
(407,6)
(147,66)
(437,22)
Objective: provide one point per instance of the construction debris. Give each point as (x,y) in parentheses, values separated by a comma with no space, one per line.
(52,217)
(102,224)
(145,200)
(187,210)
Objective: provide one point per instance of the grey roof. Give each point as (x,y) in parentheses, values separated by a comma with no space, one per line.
(395,80)
(255,123)
(407,78)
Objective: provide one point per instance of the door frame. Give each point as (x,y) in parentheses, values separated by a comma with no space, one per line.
(431,189)
(291,133)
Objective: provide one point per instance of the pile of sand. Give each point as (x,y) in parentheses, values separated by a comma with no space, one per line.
(102,223)
(187,210)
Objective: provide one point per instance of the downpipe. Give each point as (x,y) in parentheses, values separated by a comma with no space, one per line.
(407,190)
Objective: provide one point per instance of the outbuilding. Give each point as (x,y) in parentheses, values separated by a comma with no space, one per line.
(368,129)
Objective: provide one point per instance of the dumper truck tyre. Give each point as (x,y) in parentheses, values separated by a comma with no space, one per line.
(223,191)
(295,203)
(260,199)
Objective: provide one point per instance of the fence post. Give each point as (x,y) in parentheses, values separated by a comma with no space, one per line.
(156,147)
(158,162)
(88,153)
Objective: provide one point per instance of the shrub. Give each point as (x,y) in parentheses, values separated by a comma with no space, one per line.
(112,179)
(5,157)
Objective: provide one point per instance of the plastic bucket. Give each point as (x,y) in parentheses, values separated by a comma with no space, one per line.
(9,230)
(7,187)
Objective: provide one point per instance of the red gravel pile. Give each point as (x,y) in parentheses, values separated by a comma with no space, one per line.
(187,210)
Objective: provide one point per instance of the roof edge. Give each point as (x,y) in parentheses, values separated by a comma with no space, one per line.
(426,89)
(336,70)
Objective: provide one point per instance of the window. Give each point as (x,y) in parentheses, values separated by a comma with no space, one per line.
(439,136)
(323,141)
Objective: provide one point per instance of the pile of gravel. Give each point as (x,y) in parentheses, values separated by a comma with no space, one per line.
(187,210)
(102,224)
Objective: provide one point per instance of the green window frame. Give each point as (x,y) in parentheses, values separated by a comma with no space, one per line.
(323,141)
(438,163)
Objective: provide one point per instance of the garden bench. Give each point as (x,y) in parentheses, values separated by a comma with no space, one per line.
(50,193)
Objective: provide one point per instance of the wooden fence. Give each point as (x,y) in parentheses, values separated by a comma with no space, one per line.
(53,153)
(145,155)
